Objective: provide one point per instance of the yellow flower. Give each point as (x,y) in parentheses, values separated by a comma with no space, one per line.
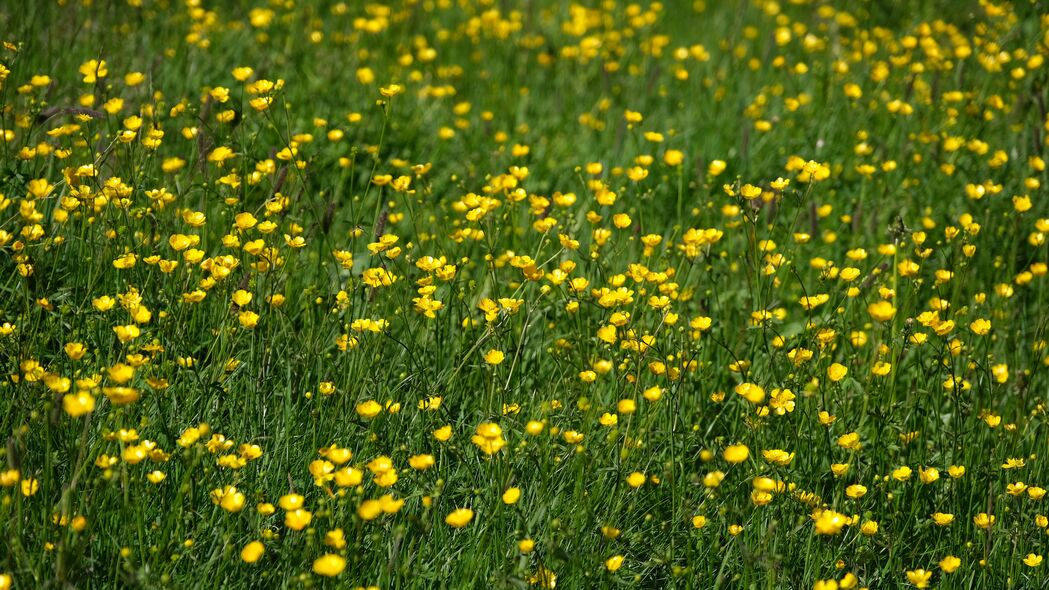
(329,565)
(836,372)
(1033,560)
(369,409)
(511,495)
(291,501)
(489,438)
(244,220)
(616,561)
(929,475)
(984,520)
(942,518)
(778,456)
(78,404)
(421,462)
(30,487)
(248,319)
(121,373)
(754,394)
(494,357)
(949,564)
(389,504)
(369,509)
(919,578)
(459,517)
(881,311)
(829,522)
(713,479)
(242,73)
(673,157)
(297,519)
(391,90)
(736,453)
(856,491)
(229,498)
(749,191)
(335,538)
(127,333)
(252,552)
(635,479)
(75,350)
(241,298)
(93,70)
(980,326)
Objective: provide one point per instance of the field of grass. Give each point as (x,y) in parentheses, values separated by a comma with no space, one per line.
(493,294)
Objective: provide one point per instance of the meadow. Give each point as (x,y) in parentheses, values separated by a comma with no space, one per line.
(537,294)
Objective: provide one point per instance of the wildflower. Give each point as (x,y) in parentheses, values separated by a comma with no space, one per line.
(93,70)
(229,498)
(368,409)
(1013,463)
(980,326)
(736,453)
(984,520)
(252,552)
(856,491)
(248,319)
(489,438)
(459,517)
(850,441)
(636,479)
(443,433)
(942,519)
(329,565)
(836,372)
(78,404)
(829,522)
(881,311)
(421,462)
(778,457)
(511,495)
(754,394)
(297,519)
(919,578)
(929,475)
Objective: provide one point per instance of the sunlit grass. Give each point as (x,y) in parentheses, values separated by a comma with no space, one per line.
(477,294)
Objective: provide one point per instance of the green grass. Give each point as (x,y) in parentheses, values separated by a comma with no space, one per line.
(924,123)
